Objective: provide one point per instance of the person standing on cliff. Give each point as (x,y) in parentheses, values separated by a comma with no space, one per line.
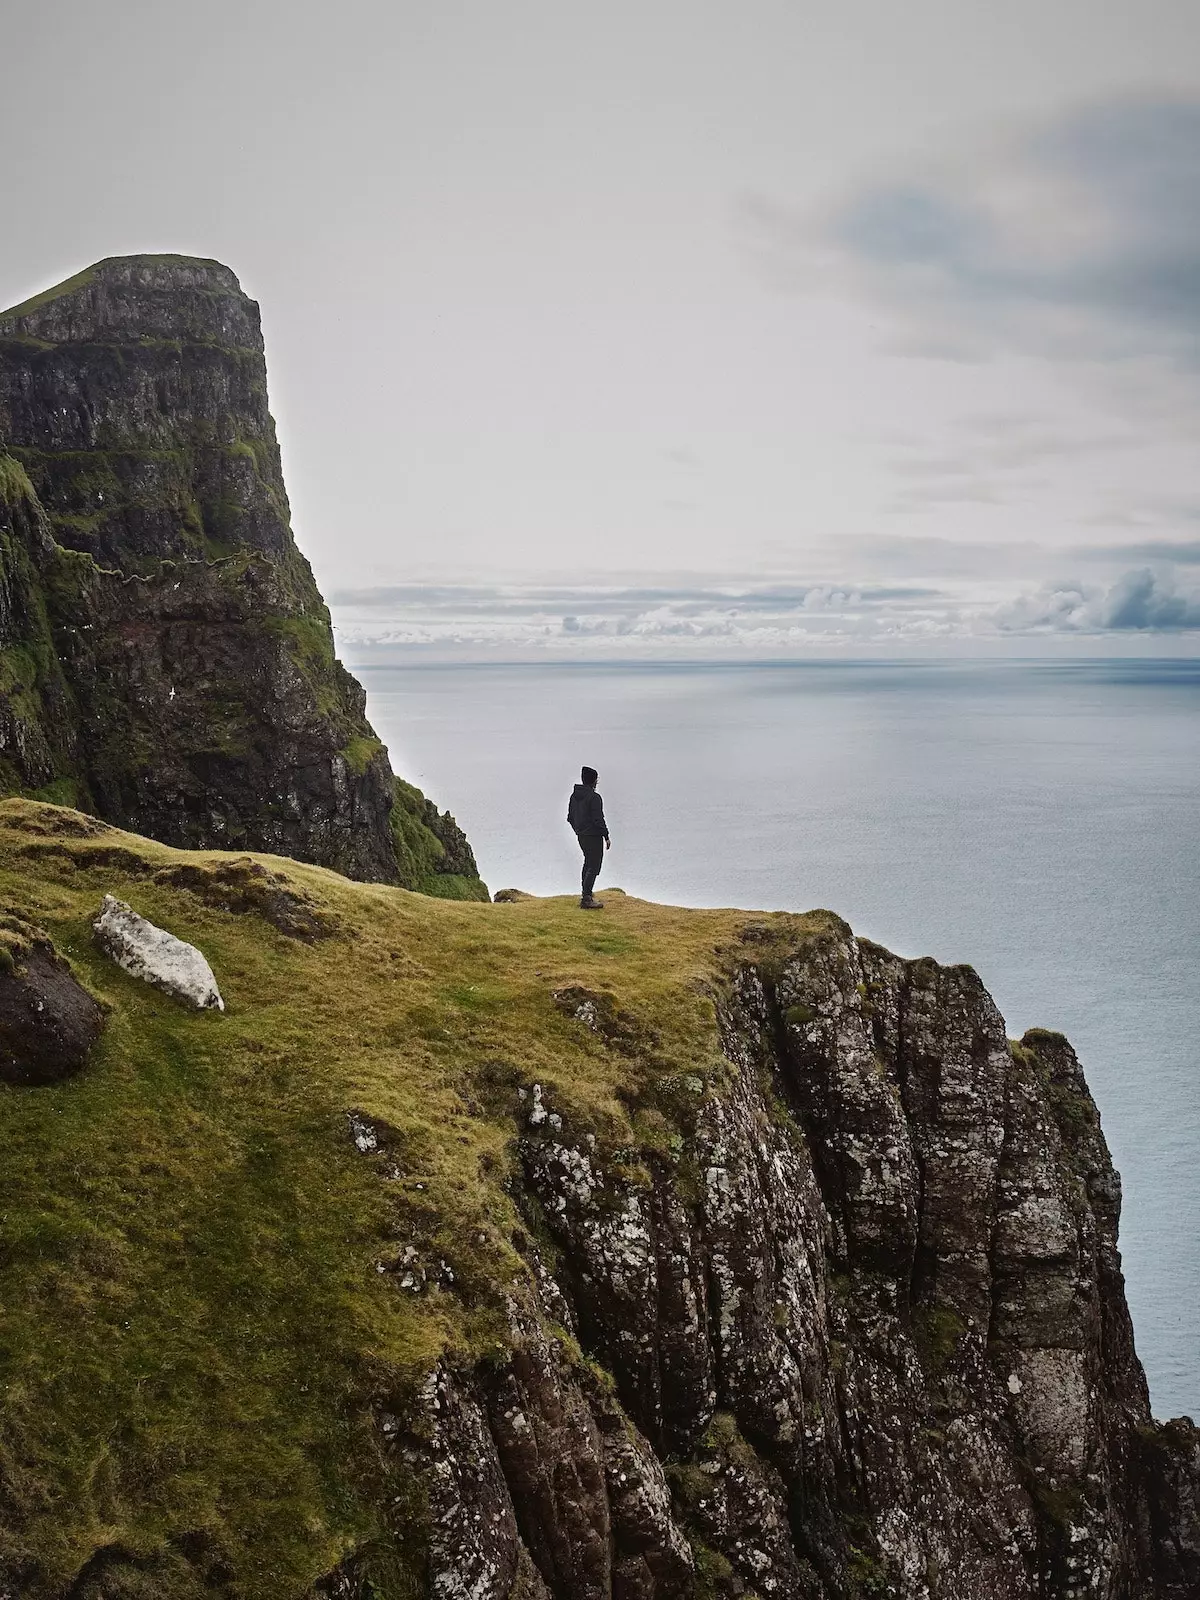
(585,813)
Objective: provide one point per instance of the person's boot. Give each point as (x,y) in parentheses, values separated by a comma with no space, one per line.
(590,903)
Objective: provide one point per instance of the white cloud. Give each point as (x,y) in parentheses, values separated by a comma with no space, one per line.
(1139,601)
(756,618)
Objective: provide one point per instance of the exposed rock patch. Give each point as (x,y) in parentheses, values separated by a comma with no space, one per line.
(376,1138)
(44,821)
(247,886)
(600,1014)
(156,956)
(48,1021)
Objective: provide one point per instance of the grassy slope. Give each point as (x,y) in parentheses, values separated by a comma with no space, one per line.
(192,1323)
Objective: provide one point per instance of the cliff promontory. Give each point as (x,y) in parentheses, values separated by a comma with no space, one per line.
(499,1252)
(166,660)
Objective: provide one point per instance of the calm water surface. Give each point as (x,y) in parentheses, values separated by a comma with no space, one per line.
(1039,820)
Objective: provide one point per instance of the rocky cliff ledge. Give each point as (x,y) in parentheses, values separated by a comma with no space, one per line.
(495,1251)
(165,657)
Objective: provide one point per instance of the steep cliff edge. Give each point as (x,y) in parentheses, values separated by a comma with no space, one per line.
(166,659)
(499,1251)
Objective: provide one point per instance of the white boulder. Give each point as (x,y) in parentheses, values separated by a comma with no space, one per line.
(155,955)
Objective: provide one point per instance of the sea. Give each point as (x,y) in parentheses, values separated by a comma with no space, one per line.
(1038,819)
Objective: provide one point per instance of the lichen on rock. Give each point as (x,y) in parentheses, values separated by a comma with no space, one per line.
(156,956)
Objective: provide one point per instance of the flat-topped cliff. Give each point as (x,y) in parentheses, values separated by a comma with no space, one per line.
(166,659)
(504,1252)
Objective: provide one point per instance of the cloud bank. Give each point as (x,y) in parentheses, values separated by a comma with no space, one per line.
(1080,238)
(707,620)
(1139,601)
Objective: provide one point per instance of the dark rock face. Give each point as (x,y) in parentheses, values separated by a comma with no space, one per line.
(217,716)
(48,1021)
(866,1332)
(136,398)
(165,657)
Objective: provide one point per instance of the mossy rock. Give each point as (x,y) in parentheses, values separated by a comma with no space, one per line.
(49,1023)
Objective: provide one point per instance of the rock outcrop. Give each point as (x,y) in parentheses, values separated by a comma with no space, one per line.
(156,956)
(48,1020)
(166,659)
(863,1327)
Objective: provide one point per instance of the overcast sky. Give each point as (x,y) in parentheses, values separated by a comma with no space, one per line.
(788,324)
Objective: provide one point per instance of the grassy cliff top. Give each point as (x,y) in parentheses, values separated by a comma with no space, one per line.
(153,270)
(196,1262)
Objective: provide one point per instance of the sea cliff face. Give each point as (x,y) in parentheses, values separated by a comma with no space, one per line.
(524,1254)
(867,1323)
(166,659)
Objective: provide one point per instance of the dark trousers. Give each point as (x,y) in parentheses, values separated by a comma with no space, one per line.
(592,845)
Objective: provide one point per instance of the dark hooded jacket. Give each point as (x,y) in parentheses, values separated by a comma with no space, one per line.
(585,813)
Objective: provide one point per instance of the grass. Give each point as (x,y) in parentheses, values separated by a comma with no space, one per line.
(193,1326)
(360,752)
(419,834)
(14,481)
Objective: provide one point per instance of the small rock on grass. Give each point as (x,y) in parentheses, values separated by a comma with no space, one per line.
(158,957)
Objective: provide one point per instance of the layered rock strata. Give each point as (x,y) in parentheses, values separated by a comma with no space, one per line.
(166,659)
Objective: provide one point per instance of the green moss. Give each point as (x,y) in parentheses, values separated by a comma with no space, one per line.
(1072,1106)
(1059,1506)
(431,851)
(868,1576)
(936,1332)
(79,526)
(60,792)
(1075,1113)
(714,1575)
(79,280)
(67,579)
(14,481)
(722,1434)
(309,643)
(1045,1037)
(360,752)
(33,694)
